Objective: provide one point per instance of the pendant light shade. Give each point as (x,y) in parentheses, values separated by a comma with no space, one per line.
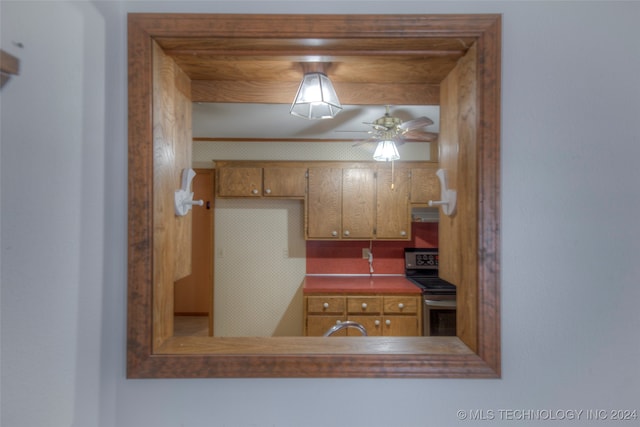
(386,151)
(316,98)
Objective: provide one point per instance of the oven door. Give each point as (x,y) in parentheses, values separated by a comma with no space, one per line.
(439,316)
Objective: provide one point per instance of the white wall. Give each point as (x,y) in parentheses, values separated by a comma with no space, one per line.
(571,103)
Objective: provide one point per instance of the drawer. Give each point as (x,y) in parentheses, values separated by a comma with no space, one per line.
(364,305)
(326,304)
(401,304)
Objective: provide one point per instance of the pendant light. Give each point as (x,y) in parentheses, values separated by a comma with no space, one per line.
(316,98)
(386,150)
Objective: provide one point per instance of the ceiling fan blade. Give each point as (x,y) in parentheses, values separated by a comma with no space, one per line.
(421,136)
(416,123)
(372,140)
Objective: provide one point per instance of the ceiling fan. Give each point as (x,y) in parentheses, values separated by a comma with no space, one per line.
(391,128)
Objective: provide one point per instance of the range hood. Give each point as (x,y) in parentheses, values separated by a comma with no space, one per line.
(425,214)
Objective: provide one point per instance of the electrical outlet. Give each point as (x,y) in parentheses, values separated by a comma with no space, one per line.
(365,253)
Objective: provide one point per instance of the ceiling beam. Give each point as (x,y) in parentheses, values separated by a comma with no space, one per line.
(296,140)
(284,92)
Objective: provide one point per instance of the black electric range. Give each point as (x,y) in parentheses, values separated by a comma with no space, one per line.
(421,268)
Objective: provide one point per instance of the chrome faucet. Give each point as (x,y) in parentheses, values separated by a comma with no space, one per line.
(346,324)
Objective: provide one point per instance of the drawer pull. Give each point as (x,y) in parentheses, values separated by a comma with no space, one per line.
(400,306)
(387,322)
(325,305)
(364,305)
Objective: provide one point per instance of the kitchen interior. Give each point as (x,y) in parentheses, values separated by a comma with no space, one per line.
(265,274)
(262,259)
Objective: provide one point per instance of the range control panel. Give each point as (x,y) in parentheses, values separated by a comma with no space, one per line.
(421,258)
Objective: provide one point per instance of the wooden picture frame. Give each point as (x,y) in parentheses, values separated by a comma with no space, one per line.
(152,355)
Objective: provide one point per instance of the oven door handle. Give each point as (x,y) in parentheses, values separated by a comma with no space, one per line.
(434,303)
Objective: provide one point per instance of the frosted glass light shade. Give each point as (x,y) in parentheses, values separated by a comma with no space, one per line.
(316,98)
(386,151)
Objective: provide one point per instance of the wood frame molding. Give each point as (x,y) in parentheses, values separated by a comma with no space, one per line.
(9,66)
(201,357)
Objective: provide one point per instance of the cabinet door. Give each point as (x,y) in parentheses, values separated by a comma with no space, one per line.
(400,326)
(392,204)
(239,182)
(324,203)
(284,182)
(425,185)
(373,325)
(317,325)
(358,209)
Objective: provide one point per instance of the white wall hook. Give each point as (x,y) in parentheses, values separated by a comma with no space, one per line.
(183,198)
(449,197)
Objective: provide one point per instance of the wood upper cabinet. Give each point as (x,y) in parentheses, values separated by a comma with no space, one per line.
(324,203)
(393,213)
(340,203)
(358,203)
(261,179)
(239,181)
(343,200)
(425,185)
(284,181)
(367,202)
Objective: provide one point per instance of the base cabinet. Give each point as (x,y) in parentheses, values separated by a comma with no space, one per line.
(381,315)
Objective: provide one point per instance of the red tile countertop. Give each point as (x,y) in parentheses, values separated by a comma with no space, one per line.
(359,284)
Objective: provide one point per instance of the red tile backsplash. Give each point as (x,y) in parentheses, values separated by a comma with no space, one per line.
(345,257)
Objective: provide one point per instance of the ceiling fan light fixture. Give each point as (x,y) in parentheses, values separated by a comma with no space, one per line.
(316,98)
(386,151)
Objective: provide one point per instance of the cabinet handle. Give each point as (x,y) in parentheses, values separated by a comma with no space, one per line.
(334,233)
(364,305)
(346,232)
(403,233)
(268,191)
(325,305)
(377,323)
(401,306)
(338,322)
(254,191)
(387,322)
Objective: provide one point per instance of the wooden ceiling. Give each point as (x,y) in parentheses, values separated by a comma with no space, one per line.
(371,71)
